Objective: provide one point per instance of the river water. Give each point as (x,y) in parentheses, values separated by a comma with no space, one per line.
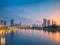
(29,37)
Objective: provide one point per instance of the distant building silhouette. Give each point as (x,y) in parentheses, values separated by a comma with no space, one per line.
(20,23)
(52,22)
(35,25)
(12,22)
(48,22)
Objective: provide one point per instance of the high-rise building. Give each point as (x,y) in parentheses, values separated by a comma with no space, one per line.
(20,23)
(52,21)
(48,22)
(1,21)
(5,23)
(44,22)
(12,22)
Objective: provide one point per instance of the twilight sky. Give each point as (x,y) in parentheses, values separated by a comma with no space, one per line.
(29,11)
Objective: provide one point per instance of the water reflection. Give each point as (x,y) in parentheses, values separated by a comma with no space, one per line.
(12,33)
(2,37)
(3,41)
(53,38)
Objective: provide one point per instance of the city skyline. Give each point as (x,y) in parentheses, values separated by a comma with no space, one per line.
(30,11)
(45,23)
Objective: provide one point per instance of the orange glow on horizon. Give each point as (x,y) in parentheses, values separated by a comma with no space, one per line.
(54,37)
(56,19)
(57,22)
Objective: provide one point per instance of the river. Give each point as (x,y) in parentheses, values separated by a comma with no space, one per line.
(29,37)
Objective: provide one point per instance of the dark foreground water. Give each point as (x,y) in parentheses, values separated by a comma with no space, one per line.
(29,37)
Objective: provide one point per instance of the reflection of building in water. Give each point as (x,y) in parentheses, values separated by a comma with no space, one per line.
(2,37)
(2,41)
(12,33)
(54,37)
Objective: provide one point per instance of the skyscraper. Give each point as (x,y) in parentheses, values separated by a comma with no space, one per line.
(44,22)
(5,23)
(52,21)
(20,23)
(1,21)
(12,22)
(48,22)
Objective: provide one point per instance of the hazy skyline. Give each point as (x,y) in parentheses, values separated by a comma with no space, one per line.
(29,11)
